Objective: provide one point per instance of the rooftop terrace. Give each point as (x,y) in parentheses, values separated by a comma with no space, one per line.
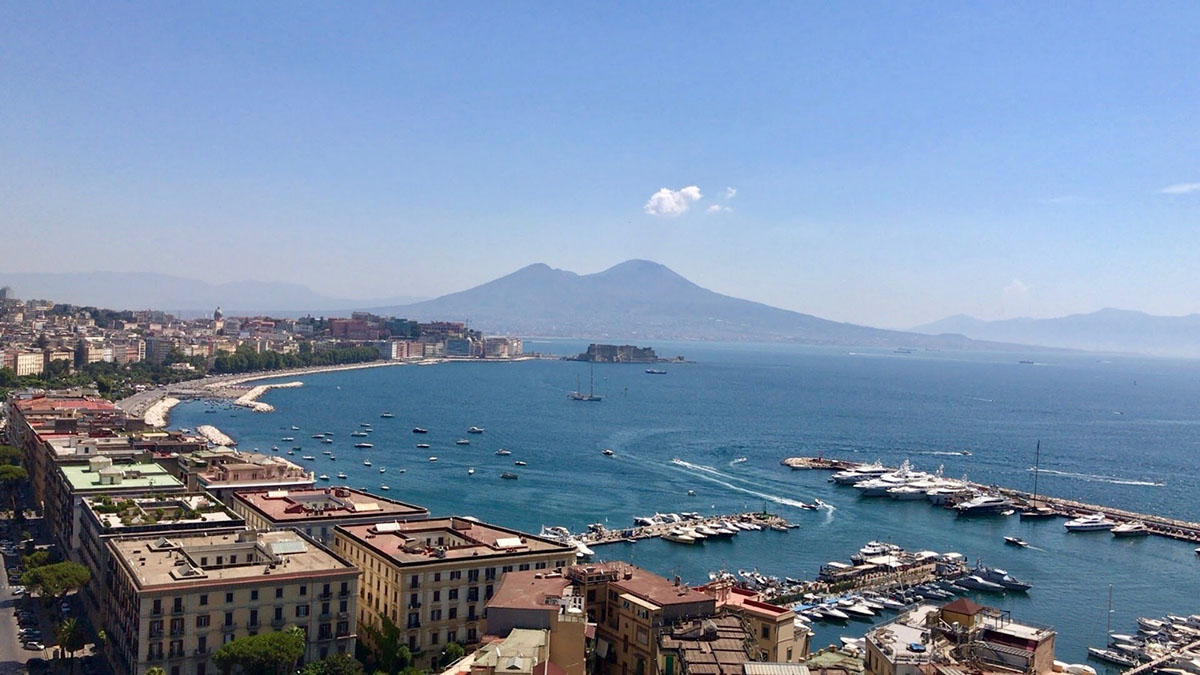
(441,539)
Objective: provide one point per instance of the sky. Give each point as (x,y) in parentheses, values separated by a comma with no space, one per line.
(881,163)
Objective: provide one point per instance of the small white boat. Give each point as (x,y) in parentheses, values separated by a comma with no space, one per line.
(475,430)
(383,487)
(387,415)
(519,463)
(679,536)
(341,474)
(471,471)
(323,477)
(363,445)
(462,441)
(366,462)
(308,458)
(433,459)
(383,470)
(607,452)
(503,453)
(422,445)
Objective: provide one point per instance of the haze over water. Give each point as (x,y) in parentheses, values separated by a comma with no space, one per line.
(1111,428)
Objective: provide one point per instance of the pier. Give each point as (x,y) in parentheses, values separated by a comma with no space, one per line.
(600,536)
(1158,525)
(1186,652)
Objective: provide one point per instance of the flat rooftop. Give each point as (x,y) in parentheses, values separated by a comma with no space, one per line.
(177,510)
(529,590)
(903,632)
(146,475)
(646,585)
(340,503)
(446,539)
(715,646)
(199,559)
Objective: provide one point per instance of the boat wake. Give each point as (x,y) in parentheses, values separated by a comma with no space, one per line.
(1095,478)
(710,474)
(976,398)
(940,453)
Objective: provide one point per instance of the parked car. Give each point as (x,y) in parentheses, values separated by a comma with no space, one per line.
(36,646)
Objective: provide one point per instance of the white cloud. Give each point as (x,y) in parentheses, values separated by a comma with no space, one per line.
(1016,289)
(671,203)
(730,192)
(1180,189)
(717,208)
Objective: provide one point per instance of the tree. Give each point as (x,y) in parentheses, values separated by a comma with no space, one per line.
(387,650)
(70,638)
(155,670)
(58,579)
(451,653)
(336,664)
(264,654)
(37,559)
(10,455)
(11,478)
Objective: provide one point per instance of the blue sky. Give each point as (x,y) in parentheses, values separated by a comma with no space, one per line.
(893,162)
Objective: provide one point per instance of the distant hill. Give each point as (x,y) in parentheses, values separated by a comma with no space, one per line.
(643,300)
(1110,330)
(146,290)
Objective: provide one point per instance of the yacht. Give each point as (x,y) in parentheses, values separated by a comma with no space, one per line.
(462,441)
(1016,541)
(503,453)
(939,496)
(999,576)
(422,445)
(607,452)
(342,475)
(419,430)
(1089,523)
(859,473)
(679,536)
(906,492)
(1112,656)
(1131,529)
(387,415)
(975,582)
(982,505)
(475,430)
(323,477)
(363,445)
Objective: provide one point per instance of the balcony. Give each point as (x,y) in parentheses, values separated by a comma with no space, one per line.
(177,632)
(414,605)
(344,594)
(177,610)
(156,611)
(156,633)
(343,634)
(325,595)
(254,623)
(278,622)
(229,628)
(324,616)
(201,651)
(343,615)
(175,654)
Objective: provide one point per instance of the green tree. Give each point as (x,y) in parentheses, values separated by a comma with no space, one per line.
(58,579)
(37,559)
(336,664)
(451,653)
(387,649)
(11,479)
(10,455)
(71,638)
(264,654)
(155,670)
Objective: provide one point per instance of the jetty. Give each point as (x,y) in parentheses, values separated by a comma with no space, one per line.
(214,435)
(1069,508)
(1187,652)
(598,535)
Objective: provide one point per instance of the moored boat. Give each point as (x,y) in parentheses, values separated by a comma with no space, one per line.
(1134,528)
(1089,523)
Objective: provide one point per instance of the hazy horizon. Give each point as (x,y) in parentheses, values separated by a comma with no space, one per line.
(882,165)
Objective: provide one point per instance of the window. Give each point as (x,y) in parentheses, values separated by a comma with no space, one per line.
(279,614)
(472,576)
(506,569)
(473,594)
(233,560)
(452,594)
(303,591)
(415,581)
(254,617)
(279,592)
(203,600)
(228,618)
(453,613)
(487,592)
(228,598)
(435,615)
(344,606)
(766,631)
(455,574)
(202,621)
(433,638)
(437,576)
(414,620)
(157,606)
(789,655)
(490,575)
(470,635)
(324,607)
(202,644)
(524,567)
(437,596)
(204,561)
(471,613)
(301,611)
(254,595)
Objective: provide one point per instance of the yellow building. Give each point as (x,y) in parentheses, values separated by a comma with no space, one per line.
(431,578)
(174,599)
(776,637)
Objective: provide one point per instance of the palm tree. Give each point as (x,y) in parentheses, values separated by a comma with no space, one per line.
(155,670)
(303,635)
(70,638)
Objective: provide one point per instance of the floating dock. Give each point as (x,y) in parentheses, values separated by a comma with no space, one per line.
(1159,525)
(765,521)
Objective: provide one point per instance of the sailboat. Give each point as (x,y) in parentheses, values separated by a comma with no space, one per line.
(1111,655)
(1035,511)
(578,395)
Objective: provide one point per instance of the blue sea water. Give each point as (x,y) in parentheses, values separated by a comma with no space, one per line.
(1117,431)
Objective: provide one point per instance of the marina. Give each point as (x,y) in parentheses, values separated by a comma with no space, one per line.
(683,528)
(951,493)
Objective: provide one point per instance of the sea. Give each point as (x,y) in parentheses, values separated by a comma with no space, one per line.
(1114,430)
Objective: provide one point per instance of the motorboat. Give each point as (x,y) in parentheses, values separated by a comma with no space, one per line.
(893,604)
(295,428)
(691,493)
(1151,625)
(1134,528)
(323,477)
(1089,523)
(707,531)
(358,434)
(433,459)
(1016,541)
(363,445)
(1037,513)
(288,439)
(519,463)
(318,436)
(327,440)
(365,425)
(679,536)
(607,452)
(503,453)
(387,415)
(308,458)
(366,462)
(382,469)
(326,452)
(475,430)
(342,475)
(471,471)
(462,441)
(419,430)
(975,582)
(983,505)
(508,475)
(384,487)
(999,576)
(831,612)
(422,445)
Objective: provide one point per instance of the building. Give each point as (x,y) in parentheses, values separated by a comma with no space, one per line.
(99,476)
(104,518)
(317,511)
(28,363)
(545,603)
(959,636)
(776,637)
(522,652)
(720,645)
(175,599)
(431,578)
(223,471)
(631,607)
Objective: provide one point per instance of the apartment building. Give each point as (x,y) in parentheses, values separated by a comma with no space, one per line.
(544,602)
(177,598)
(224,471)
(776,637)
(317,511)
(631,608)
(104,517)
(431,578)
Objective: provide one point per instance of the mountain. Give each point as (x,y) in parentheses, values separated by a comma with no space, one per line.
(642,300)
(146,290)
(1109,330)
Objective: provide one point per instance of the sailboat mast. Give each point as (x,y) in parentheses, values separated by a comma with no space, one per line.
(1108,629)
(1037,458)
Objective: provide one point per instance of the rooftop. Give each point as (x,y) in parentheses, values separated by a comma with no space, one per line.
(905,638)
(262,557)
(529,590)
(285,506)
(645,584)
(735,597)
(94,478)
(430,541)
(715,646)
(192,509)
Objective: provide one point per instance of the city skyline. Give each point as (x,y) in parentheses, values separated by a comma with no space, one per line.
(885,166)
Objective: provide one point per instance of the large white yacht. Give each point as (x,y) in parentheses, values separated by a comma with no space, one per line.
(859,473)
(1089,523)
(984,504)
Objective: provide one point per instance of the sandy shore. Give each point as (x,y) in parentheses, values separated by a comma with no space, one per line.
(250,398)
(214,435)
(156,415)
